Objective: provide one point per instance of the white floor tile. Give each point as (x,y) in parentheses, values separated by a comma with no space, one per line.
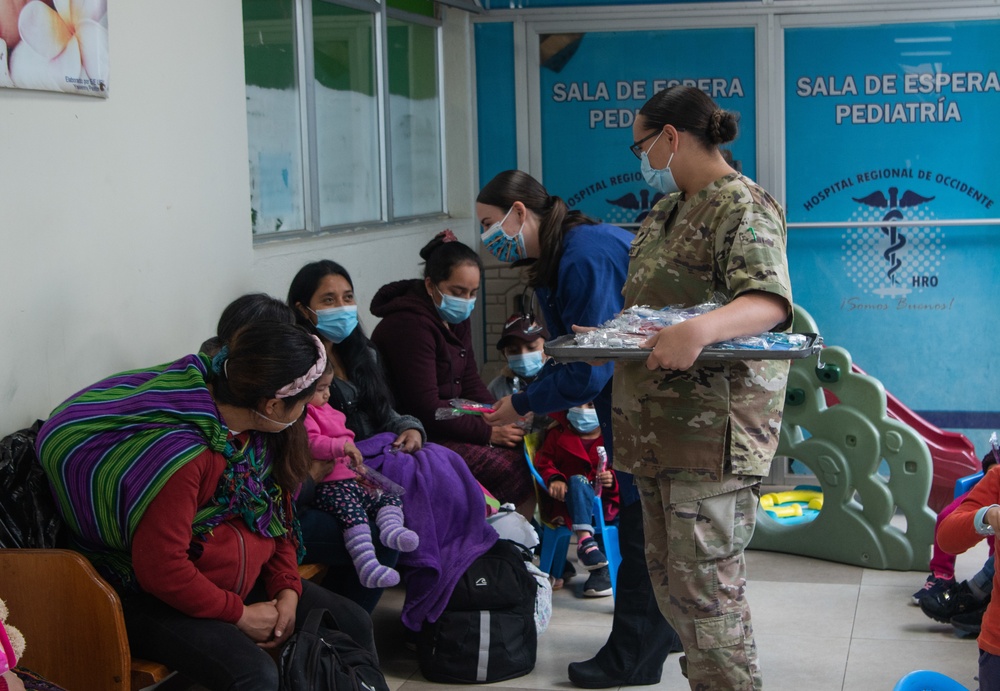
(880,664)
(804,608)
(803,659)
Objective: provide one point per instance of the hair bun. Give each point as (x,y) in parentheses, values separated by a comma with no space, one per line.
(722,126)
(441,238)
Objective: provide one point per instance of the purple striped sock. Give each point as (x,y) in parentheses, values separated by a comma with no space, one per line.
(389,520)
(371,573)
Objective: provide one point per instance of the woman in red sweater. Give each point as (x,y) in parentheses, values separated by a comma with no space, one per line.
(976,518)
(176,482)
(425,339)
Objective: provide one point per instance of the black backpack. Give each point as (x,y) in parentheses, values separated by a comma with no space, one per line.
(487,631)
(319,657)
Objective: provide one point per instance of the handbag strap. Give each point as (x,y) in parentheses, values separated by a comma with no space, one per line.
(321,616)
(315,618)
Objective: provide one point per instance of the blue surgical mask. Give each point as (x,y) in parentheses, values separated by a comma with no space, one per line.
(455,310)
(502,246)
(337,323)
(660,179)
(526,364)
(584,420)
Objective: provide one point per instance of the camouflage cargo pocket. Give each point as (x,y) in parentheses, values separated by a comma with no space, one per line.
(719,632)
(715,527)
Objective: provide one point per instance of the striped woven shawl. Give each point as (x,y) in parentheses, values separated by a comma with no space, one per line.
(112,447)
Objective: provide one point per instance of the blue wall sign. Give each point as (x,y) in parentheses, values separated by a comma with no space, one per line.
(898,135)
(592,86)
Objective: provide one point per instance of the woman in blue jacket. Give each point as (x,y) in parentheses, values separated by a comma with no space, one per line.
(578,272)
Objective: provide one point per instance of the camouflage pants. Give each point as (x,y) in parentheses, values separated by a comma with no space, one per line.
(695,536)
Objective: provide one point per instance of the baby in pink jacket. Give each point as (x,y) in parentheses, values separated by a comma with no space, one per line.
(341,495)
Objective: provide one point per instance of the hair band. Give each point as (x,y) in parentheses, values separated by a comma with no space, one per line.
(302,383)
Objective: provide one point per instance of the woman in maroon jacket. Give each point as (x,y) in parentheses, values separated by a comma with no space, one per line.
(426,342)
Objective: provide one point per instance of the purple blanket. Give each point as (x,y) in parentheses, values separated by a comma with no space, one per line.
(444,505)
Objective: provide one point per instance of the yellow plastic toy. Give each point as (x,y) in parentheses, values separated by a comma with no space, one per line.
(790,504)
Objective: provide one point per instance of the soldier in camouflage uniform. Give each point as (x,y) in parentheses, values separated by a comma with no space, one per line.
(699,436)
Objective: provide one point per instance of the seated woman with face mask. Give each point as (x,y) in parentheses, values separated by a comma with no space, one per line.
(425,338)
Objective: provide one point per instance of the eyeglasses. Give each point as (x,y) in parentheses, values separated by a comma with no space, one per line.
(636,147)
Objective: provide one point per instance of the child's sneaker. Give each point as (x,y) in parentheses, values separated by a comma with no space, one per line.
(590,555)
(932,587)
(598,584)
(943,606)
(971,621)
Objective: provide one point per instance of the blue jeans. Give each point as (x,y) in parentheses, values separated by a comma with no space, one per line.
(982,583)
(580,503)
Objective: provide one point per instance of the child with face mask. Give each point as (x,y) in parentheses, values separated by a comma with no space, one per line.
(570,462)
(522,345)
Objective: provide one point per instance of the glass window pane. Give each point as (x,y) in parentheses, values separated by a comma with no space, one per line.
(276,192)
(415,119)
(346,115)
(422,7)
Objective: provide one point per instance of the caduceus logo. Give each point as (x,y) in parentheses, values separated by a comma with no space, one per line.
(896,239)
(919,247)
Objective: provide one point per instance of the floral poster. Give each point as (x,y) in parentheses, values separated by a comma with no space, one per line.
(55,45)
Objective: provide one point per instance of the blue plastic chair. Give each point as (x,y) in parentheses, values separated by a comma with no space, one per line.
(964,484)
(926,680)
(555,538)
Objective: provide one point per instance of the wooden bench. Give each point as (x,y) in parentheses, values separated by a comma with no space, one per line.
(72,621)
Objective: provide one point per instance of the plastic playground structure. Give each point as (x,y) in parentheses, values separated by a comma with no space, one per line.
(873,458)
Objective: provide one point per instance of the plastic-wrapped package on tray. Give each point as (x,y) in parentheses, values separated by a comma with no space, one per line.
(622,336)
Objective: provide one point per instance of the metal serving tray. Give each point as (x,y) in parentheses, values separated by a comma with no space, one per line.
(564,349)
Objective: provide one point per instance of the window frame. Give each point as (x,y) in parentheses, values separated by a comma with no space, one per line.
(308,126)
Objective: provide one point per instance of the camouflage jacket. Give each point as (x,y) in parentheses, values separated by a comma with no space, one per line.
(727,239)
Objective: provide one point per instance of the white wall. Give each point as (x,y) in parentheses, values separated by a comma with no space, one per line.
(124,223)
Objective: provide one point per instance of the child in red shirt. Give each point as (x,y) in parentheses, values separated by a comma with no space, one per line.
(977,517)
(569,463)
(340,494)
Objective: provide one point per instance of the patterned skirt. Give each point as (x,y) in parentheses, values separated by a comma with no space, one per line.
(501,470)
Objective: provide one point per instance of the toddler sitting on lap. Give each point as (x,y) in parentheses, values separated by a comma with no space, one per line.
(340,494)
